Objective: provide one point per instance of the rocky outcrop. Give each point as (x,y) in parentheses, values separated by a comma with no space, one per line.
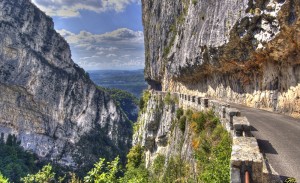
(158,132)
(241,51)
(47,100)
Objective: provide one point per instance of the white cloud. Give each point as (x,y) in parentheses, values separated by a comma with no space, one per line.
(64,33)
(124,56)
(83,45)
(100,53)
(111,55)
(119,49)
(87,58)
(122,35)
(106,49)
(72,8)
(89,46)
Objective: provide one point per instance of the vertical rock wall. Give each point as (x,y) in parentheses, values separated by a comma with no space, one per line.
(159,133)
(47,100)
(241,51)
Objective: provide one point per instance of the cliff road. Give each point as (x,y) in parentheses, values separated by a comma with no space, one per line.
(278,137)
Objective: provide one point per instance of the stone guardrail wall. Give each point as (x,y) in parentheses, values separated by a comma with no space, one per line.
(245,156)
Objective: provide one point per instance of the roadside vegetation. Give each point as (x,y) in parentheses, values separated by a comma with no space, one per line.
(210,142)
(212,146)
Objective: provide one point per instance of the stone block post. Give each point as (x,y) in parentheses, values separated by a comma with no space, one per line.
(245,156)
(241,126)
(204,102)
(199,100)
(230,112)
(193,99)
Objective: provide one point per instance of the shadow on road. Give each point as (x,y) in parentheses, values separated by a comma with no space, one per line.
(253,129)
(266,146)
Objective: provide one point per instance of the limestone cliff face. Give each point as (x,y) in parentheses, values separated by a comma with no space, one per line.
(241,51)
(159,133)
(47,100)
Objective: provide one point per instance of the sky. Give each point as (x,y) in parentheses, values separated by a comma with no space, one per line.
(103,34)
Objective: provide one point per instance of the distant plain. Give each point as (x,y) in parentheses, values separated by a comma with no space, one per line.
(129,80)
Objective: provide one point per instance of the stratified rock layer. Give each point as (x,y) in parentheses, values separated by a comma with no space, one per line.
(241,51)
(47,100)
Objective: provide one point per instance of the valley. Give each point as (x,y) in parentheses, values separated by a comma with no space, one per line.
(130,81)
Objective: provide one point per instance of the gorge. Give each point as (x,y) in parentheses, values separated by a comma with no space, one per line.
(201,57)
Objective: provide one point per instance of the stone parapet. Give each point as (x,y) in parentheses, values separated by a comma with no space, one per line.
(245,156)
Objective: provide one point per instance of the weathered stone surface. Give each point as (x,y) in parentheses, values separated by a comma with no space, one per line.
(235,176)
(245,153)
(167,139)
(242,51)
(232,112)
(241,125)
(47,100)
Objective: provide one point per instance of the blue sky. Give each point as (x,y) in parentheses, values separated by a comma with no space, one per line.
(103,34)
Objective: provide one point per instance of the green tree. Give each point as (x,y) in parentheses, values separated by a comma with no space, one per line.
(74,179)
(14,161)
(9,140)
(135,157)
(103,173)
(158,167)
(144,100)
(179,113)
(135,175)
(136,171)
(2,139)
(182,121)
(3,179)
(43,176)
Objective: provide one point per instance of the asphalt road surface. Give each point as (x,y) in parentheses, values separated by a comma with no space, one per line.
(278,137)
